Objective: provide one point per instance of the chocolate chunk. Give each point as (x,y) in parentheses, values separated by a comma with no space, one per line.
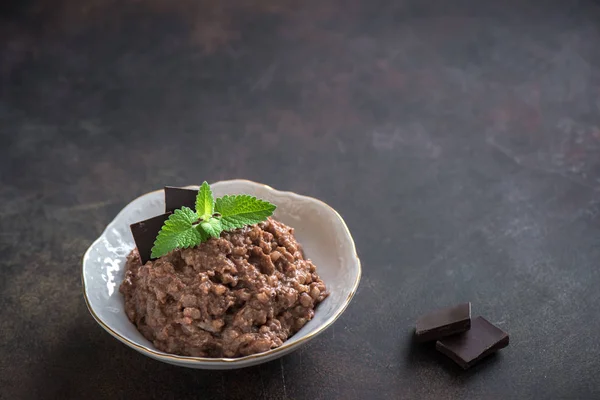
(444,322)
(478,342)
(178,197)
(145,233)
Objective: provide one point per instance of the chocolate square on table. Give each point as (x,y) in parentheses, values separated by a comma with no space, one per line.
(443,322)
(469,347)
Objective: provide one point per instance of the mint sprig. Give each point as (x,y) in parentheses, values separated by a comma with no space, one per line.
(186,228)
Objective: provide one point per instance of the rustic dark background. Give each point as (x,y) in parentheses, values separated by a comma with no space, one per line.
(459,139)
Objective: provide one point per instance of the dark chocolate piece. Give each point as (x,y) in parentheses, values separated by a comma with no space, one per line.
(475,344)
(178,197)
(145,233)
(444,322)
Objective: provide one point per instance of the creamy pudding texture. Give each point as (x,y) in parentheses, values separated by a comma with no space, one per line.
(243,293)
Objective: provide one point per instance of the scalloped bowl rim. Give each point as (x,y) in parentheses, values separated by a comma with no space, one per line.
(190,360)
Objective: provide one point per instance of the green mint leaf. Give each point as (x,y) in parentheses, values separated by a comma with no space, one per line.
(204,236)
(241,210)
(212,227)
(177,232)
(205,204)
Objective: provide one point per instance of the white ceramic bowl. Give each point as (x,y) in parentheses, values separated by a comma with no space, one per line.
(319,228)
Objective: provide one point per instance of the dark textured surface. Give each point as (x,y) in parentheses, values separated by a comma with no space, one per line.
(459,139)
